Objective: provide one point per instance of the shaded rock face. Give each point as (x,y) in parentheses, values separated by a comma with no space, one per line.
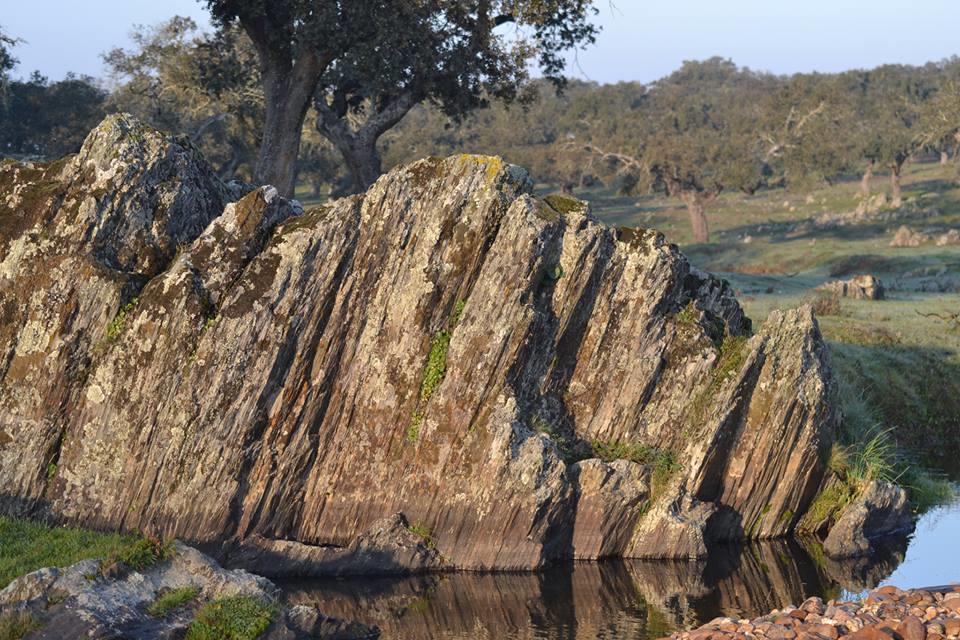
(443,346)
(881,509)
(87,600)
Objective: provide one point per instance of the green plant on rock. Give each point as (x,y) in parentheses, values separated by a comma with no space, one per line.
(236,618)
(457,312)
(435,369)
(115,328)
(413,431)
(173,599)
(664,466)
(422,531)
(436,365)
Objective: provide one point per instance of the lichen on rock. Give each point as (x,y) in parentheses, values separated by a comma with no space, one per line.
(265,385)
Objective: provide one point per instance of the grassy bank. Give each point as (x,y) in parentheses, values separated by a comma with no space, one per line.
(26,546)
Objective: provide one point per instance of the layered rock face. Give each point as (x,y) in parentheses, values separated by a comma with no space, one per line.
(446,346)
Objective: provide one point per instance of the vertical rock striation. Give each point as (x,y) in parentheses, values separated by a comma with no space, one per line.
(446,346)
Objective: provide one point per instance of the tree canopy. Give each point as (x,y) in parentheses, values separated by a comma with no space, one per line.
(363,64)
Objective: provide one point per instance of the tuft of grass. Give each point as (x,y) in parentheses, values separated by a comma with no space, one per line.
(26,546)
(236,618)
(16,624)
(142,553)
(115,328)
(173,599)
(875,458)
(828,504)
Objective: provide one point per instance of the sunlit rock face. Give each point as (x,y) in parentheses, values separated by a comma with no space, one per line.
(447,346)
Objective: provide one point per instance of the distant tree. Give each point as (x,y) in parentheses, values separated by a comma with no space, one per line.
(49,119)
(805,130)
(700,137)
(940,120)
(7,61)
(205,87)
(365,63)
(886,117)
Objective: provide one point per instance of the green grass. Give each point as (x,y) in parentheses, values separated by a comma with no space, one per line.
(26,546)
(237,618)
(173,599)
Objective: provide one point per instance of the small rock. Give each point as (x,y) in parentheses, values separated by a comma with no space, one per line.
(911,628)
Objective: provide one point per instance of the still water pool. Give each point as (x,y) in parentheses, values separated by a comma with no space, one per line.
(628,600)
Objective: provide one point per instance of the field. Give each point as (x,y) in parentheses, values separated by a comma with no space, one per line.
(898,369)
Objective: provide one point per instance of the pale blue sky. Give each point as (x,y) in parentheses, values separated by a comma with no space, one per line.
(642,39)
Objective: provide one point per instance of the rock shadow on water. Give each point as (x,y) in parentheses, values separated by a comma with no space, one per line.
(623,599)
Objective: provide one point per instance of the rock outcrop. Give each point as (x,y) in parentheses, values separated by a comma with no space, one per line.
(446,346)
(865,287)
(91,600)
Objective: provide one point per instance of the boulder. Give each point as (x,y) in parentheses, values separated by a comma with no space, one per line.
(447,346)
(881,509)
(90,599)
(907,237)
(865,287)
(949,238)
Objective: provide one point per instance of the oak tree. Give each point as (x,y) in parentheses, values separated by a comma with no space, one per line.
(364,63)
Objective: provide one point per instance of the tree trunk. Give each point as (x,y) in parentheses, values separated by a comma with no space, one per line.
(359,147)
(865,181)
(363,161)
(896,198)
(697,210)
(944,157)
(286,107)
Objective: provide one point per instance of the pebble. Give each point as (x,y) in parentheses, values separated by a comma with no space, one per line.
(886,613)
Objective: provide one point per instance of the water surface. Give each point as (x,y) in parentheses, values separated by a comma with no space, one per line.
(627,600)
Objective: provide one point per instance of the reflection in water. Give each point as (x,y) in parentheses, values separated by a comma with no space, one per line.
(607,600)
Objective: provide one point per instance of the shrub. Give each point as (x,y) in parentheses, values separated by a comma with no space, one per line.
(826,304)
